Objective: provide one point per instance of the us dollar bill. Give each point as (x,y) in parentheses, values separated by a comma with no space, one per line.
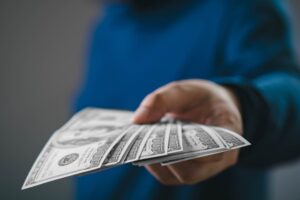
(57,161)
(93,118)
(195,140)
(174,130)
(78,147)
(157,143)
(231,139)
(120,149)
(175,138)
(98,139)
(137,147)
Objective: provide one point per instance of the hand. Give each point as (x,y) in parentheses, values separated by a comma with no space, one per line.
(198,101)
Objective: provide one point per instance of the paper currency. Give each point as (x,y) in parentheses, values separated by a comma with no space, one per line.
(175,138)
(121,147)
(79,146)
(230,139)
(96,139)
(137,148)
(157,143)
(195,139)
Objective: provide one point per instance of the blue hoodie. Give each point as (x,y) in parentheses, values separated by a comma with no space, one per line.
(139,46)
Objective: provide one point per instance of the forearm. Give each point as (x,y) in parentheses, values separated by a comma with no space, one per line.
(270,107)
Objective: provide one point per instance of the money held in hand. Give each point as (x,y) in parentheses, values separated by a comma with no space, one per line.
(96,139)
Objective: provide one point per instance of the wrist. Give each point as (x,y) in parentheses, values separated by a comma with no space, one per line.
(233,96)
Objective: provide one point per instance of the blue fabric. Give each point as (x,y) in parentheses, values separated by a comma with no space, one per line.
(138,47)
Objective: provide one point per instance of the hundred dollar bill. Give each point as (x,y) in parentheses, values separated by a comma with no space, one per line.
(231,139)
(137,147)
(78,147)
(195,140)
(175,138)
(122,146)
(57,161)
(98,139)
(157,143)
(94,118)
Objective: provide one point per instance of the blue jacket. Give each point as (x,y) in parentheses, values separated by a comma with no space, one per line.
(140,46)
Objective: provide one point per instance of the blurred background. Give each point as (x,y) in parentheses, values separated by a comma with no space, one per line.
(42,52)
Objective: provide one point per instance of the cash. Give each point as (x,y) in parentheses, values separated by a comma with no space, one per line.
(96,139)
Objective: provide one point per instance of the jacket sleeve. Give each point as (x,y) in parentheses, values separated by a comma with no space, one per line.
(257,62)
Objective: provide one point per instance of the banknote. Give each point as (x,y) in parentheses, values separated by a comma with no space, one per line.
(194,139)
(58,161)
(78,147)
(157,143)
(137,147)
(93,118)
(230,139)
(97,139)
(175,137)
(118,151)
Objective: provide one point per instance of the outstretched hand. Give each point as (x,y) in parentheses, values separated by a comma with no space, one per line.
(198,101)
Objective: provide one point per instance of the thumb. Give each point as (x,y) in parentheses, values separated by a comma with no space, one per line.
(152,108)
(174,97)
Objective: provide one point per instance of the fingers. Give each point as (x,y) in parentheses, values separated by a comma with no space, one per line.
(152,108)
(175,97)
(162,174)
(198,114)
(224,117)
(197,170)
(193,171)
(212,158)
(197,101)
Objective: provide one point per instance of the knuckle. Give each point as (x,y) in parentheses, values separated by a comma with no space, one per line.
(156,98)
(163,181)
(232,161)
(231,118)
(186,178)
(166,181)
(191,182)
(176,86)
(224,113)
(215,109)
(219,157)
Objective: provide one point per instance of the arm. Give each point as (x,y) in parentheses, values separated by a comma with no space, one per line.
(267,84)
(257,78)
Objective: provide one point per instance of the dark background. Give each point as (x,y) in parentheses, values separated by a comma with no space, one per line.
(42,49)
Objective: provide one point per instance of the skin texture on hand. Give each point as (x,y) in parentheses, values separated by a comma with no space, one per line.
(197,101)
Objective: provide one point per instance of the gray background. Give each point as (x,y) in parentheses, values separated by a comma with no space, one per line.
(42,45)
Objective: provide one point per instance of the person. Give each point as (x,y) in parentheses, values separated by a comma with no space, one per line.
(224,63)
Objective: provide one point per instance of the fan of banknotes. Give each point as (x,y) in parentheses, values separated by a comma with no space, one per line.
(96,139)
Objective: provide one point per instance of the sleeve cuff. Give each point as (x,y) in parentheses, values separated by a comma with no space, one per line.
(254,110)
